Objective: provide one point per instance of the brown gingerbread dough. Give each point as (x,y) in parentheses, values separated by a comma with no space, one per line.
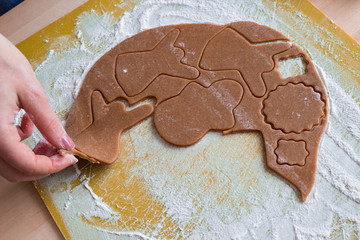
(205,77)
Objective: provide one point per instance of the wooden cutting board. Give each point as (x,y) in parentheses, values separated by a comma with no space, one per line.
(66,26)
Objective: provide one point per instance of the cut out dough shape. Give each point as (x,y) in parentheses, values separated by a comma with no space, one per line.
(229,50)
(186,118)
(134,71)
(205,77)
(290,147)
(109,121)
(293,108)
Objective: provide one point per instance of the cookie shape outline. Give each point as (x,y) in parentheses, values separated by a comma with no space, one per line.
(304,108)
(133,67)
(296,148)
(206,108)
(192,45)
(243,56)
(110,120)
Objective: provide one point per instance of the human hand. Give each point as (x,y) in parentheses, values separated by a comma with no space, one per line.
(19,88)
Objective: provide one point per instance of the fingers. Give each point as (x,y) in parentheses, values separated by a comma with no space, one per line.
(26,128)
(20,88)
(37,106)
(30,95)
(14,175)
(33,100)
(20,157)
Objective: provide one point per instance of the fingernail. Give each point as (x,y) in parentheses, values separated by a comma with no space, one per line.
(60,160)
(73,160)
(66,142)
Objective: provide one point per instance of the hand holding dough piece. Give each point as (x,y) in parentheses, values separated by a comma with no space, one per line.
(19,89)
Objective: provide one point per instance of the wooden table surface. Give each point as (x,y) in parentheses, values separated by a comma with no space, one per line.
(23,215)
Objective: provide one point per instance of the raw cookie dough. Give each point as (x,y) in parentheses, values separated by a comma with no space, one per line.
(205,77)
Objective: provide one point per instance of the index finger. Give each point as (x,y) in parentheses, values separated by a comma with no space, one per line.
(35,103)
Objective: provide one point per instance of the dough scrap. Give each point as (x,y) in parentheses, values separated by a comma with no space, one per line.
(205,77)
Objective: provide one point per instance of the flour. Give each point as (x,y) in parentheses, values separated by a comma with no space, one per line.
(210,186)
(292,67)
(133,235)
(102,210)
(68,203)
(18,117)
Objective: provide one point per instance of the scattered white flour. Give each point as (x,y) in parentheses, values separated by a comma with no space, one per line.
(208,187)
(68,202)
(292,67)
(18,117)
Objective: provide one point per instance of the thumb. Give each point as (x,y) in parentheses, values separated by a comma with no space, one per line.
(33,100)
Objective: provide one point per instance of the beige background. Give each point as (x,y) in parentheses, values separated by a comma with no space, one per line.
(22,213)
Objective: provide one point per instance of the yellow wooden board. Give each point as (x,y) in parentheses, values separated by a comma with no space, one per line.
(128,201)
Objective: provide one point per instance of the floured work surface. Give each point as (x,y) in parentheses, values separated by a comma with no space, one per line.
(205,77)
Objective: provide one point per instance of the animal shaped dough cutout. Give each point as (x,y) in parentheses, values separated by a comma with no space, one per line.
(205,77)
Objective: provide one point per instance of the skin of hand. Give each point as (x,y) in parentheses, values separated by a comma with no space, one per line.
(19,88)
